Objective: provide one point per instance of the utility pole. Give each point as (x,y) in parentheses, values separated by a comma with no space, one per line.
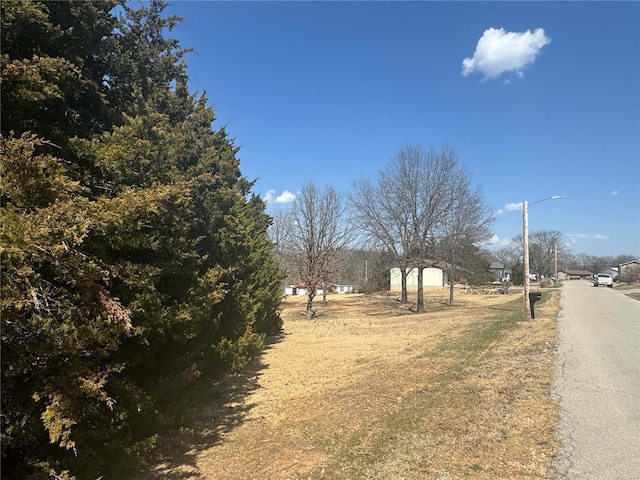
(555,263)
(525,248)
(366,271)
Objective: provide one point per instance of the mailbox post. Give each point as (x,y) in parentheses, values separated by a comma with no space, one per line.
(533,298)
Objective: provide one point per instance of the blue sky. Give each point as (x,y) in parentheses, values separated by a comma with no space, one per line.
(536,98)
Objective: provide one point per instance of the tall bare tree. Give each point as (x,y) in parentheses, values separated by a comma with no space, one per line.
(408,204)
(279,233)
(382,220)
(465,224)
(543,245)
(320,229)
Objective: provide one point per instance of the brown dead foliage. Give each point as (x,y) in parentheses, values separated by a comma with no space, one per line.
(370,390)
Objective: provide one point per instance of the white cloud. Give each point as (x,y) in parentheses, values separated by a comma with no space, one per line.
(496,241)
(269,196)
(615,192)
(499,52)
(285,197)
(576,237)
(510,207)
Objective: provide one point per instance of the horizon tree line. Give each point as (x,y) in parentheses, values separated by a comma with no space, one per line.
(421,210)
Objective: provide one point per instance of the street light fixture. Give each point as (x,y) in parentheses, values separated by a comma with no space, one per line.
(525,242)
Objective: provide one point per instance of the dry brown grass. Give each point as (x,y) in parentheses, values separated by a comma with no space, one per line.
(370,390)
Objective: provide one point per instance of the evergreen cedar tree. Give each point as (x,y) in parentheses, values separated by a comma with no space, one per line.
(134,256)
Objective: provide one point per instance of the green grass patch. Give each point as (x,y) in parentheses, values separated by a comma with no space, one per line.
(480,335)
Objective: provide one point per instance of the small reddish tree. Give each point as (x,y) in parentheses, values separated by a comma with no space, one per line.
(319,230)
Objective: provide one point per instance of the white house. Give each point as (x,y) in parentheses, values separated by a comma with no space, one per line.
(344,287)
(295,290)
(431,278)
(301,290)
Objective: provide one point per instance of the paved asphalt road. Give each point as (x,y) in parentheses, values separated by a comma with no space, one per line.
(597,382)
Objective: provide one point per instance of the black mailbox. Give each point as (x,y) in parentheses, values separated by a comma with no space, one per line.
(533,298)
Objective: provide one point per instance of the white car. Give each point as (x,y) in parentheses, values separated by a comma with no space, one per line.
(603,279)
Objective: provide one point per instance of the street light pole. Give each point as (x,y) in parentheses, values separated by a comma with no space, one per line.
(525,245)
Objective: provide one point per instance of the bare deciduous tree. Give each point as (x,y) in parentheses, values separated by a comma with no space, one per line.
(464,225)
(437,174)
(279,233)
(542,247)
(407,206)
(383,221)
(318,232)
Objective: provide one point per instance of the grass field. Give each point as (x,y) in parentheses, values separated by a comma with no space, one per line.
(370,390)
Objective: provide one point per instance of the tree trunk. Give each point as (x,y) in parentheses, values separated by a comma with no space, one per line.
(404,298)
(420,306)
(450,291)
(310,305)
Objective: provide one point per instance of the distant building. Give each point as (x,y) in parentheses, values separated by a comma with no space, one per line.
(629,271)
(301,289)
(499,272)
(579,274)
(431,278)
(344,287)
